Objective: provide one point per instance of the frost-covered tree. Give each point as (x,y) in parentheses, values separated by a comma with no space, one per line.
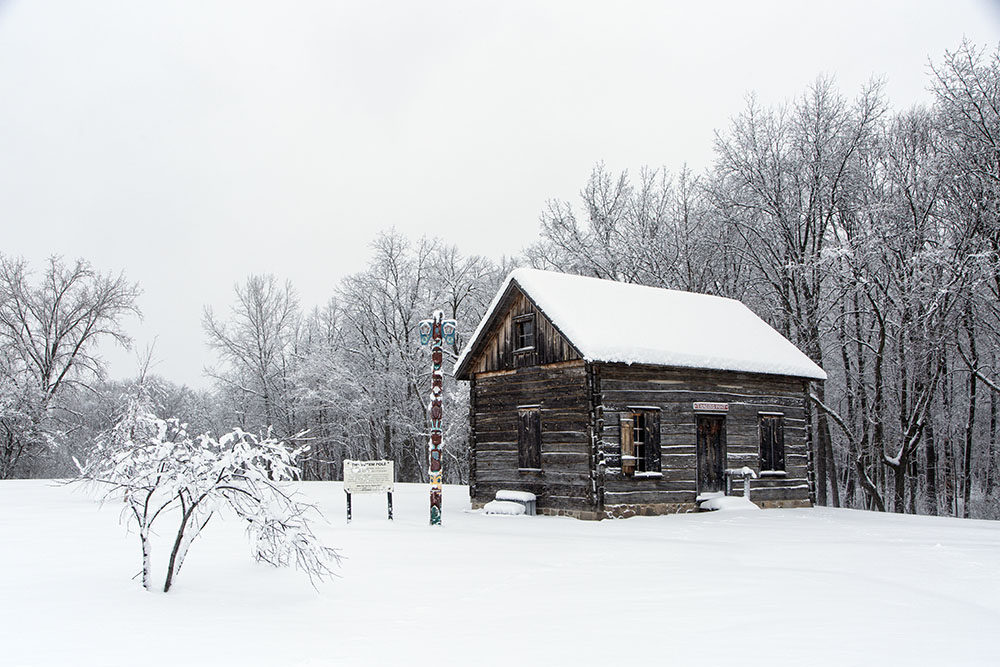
(21,434)
(352,373)
(256,345)
(49,331)
(871,239)
(655,230)
(162,474)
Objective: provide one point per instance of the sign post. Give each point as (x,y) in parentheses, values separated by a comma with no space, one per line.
(368,477)
(434,331)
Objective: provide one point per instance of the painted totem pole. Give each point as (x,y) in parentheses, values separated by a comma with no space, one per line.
(433,331)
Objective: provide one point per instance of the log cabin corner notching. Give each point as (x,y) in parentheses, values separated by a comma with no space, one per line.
(607,399)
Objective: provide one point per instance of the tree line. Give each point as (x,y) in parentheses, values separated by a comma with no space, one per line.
(868,236)
(347,379)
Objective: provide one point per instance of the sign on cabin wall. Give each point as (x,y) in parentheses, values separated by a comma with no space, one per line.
(368,476)
(711,407)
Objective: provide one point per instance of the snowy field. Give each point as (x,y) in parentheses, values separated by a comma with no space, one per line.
(804,587)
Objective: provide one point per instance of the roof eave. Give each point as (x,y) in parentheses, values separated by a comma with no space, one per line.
(820,377)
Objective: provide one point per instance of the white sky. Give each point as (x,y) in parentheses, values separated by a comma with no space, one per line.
(190,143)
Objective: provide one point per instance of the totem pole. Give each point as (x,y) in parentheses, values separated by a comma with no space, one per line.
(433,331)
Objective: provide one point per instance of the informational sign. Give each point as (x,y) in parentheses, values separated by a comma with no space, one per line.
(711,407)
(368,476)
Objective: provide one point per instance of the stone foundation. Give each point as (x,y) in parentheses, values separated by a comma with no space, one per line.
(648,509)
(583,515)
(781,504)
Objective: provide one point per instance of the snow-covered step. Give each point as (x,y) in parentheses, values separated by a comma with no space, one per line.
(704,499)
(505,507)
(729,503)
(522,497)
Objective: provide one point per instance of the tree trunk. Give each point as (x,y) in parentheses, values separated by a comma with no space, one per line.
(863,407)
(819,460)
(140,512)
(186,545)
(899,486)
(810,449)
(970,422)
(172,565)
(946,446)
(931,458)
(991,456)
(146,574)
(819,451)
(967,462)
(851,392)
(831,463)
(879,409)
(949,478)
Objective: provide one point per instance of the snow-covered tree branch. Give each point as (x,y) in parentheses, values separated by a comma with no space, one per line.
(161,474)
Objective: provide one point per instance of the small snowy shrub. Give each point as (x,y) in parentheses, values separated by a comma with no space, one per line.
(159,471)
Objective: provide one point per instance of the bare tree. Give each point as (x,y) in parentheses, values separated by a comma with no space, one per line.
(49,334)
(256,344)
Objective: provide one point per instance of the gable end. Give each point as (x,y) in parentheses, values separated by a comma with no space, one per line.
(497,347)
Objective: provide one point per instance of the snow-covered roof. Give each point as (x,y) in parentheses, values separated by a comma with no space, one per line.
(617,322)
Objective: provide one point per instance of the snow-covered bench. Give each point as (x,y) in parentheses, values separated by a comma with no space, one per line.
(522,497)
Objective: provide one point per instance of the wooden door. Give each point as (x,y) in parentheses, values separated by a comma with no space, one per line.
(711,453)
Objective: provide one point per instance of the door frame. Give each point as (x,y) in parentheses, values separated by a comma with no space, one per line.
(700,454)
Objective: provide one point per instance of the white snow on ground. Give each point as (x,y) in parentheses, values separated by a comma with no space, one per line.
(804,587)
(676,328)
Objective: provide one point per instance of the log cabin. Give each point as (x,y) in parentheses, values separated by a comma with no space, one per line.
(608,399)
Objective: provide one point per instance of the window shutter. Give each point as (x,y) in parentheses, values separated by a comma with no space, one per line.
(653,441)
(779,443)
(529,436)
(522,438)
(766,444)
(536,439)
(628,446)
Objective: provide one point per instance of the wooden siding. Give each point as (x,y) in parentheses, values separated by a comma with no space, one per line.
(498,352)
(675,391)
(560,392)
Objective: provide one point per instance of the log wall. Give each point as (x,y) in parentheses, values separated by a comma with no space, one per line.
(674,391)
(561,391)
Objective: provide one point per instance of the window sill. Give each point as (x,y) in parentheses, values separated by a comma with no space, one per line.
(647,475)
(773,473)
(524,350)
(536,471)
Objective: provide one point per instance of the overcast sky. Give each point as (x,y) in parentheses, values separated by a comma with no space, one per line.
(190,143)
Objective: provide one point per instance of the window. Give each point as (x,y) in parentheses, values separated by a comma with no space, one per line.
(529,438)
(524,333)
(772,442)
(640,442)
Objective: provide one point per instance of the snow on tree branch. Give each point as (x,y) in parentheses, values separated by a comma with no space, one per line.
(158,470)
